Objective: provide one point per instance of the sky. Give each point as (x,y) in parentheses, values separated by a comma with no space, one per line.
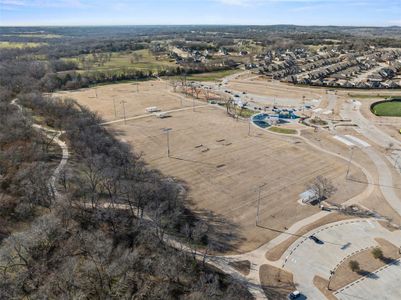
(177,12)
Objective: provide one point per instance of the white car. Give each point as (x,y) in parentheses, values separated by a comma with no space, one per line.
(294,295)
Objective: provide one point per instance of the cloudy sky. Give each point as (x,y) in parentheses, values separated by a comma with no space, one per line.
(258,12)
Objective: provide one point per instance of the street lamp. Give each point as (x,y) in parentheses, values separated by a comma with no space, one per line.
(349,162)
(167,131)
(125,117)
(115,110)
(257,209)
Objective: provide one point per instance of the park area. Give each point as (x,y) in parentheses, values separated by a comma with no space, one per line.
(271,92)
(220,165)
(391,108)
(137,60)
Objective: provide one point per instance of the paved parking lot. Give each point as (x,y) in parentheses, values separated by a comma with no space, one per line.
(305,258)
(385,287)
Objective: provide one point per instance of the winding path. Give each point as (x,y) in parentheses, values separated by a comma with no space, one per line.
(53,135)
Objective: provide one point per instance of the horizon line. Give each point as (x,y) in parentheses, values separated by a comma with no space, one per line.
(168,25)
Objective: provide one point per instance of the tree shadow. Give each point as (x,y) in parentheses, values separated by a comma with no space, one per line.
(390,261)
(223,234)
(368,274)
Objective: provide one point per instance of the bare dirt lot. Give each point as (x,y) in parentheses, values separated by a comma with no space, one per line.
(136,96)
(222,167)
(277,92)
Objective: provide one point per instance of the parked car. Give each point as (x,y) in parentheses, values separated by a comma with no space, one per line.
(294,295)
(316,240)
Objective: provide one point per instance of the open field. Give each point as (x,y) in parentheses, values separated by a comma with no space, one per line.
(151,93)
(9,45)
(138,60)
(212,76)
(32,35)
(274,92)
(373,94)
(216,159)
(388,109)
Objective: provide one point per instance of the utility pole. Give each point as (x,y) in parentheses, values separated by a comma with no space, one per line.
(193,104)
(349,162)
(249,126)
(125,117)
(167,131)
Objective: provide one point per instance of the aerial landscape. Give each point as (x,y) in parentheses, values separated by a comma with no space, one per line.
(200,150)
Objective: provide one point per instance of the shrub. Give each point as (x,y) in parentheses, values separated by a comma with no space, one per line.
(354,266)
(377,253)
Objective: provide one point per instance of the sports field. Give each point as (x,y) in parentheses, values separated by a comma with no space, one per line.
(19,45)
(274,92)
(221,166)
(110,100)
(138,60)
(388,109)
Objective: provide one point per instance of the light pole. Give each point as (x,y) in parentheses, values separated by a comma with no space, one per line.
(257,210)
(167,131)
(396,161)
(349,162)
(125,117)
(115,110)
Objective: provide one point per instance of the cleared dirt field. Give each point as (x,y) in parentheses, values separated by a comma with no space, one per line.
(276,92)
(151,93)
(222,168)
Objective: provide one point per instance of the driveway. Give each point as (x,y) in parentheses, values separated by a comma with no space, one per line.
(305,258)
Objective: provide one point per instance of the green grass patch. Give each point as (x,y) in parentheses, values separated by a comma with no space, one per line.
(282,130)
(387,109)
(245,113)
(367,96)
(11,45)
(41,35)
(212,76)
(135,60)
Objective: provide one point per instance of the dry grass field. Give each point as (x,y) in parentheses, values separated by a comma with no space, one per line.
(151,93)
(284,94)
(222,167)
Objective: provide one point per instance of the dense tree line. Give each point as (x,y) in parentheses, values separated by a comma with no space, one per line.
(90,251)
(84,245)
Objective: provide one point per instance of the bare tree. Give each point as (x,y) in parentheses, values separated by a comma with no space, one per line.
(174,84)
(322,188)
